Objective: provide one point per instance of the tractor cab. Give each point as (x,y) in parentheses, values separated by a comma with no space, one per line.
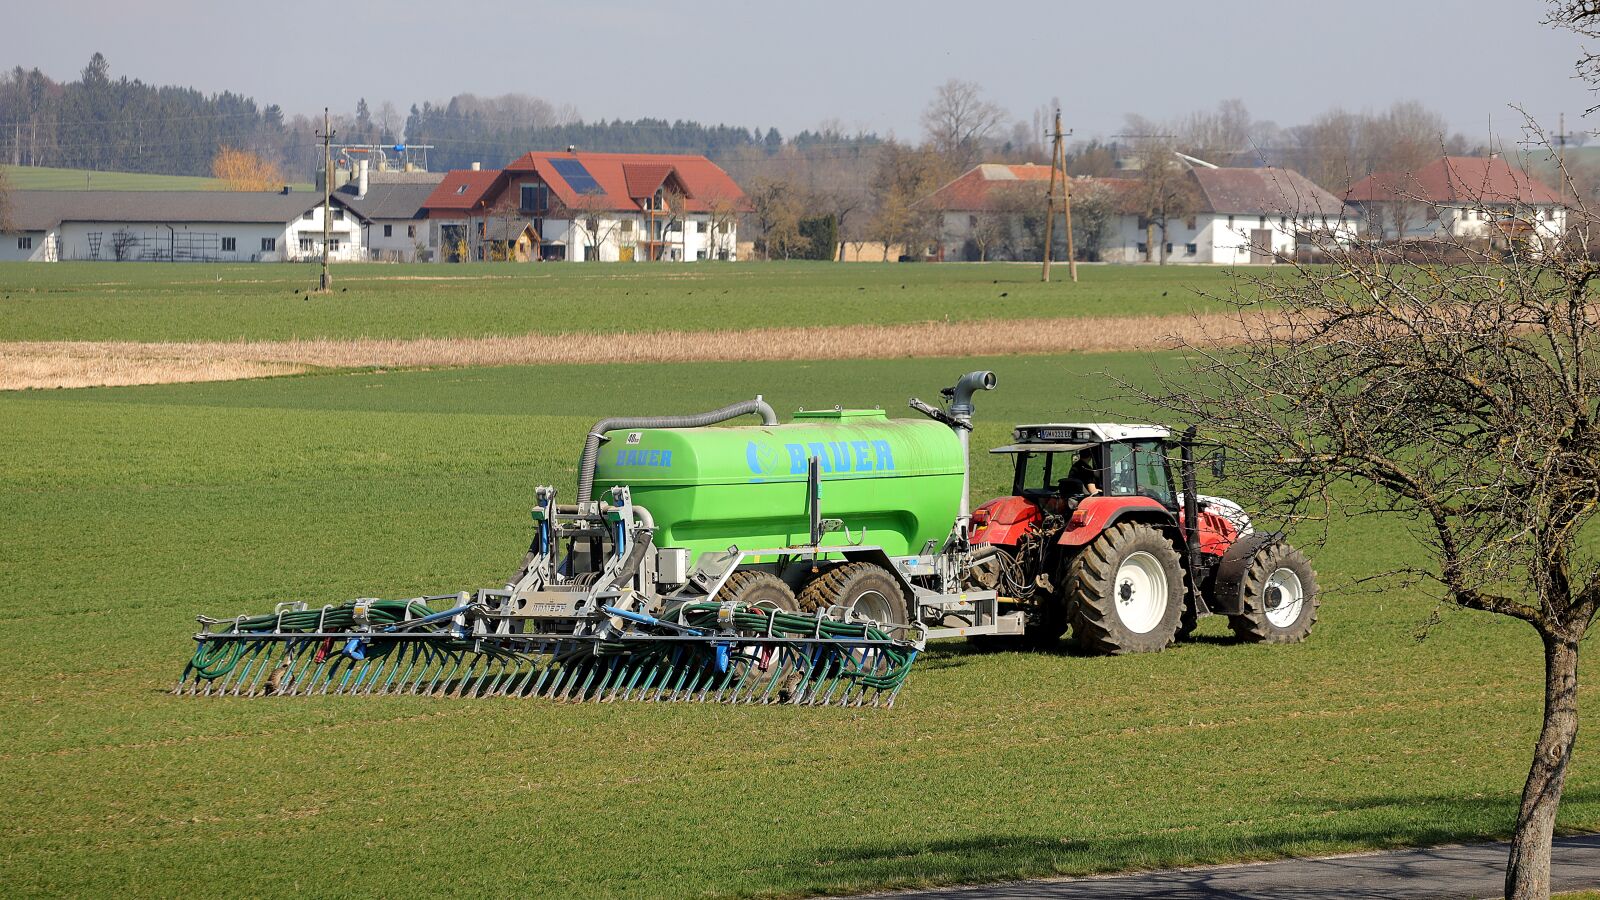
(1058,465)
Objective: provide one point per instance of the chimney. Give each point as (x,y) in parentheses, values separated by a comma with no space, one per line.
(477,166)
(361,179)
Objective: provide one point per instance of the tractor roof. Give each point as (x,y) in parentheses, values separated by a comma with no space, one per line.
(1088,432)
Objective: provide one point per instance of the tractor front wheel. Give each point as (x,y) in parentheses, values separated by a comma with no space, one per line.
(1127,587)
(1280,597)
(865,591)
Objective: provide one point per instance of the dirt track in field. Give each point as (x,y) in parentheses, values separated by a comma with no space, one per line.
(61,364)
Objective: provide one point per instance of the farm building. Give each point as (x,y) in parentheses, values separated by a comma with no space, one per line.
(389,204)
(1233,216)
(1237,216)
(177,226)
(1460,197)
(587,206)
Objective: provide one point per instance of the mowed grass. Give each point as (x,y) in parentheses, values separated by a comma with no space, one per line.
(129,510)
(268,301)
(47,178)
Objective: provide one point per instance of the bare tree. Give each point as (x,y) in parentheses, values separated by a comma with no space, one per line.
(1459,401)
(1094,209)
(778,205)
(903,177)
(1220,136)
(5,204)
(958,120)
(1166,191)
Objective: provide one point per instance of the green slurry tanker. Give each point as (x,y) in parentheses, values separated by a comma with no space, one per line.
(806,563)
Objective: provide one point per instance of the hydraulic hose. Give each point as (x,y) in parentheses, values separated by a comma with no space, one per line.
(591,444)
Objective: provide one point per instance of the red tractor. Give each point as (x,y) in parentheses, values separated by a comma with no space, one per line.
(1097,536)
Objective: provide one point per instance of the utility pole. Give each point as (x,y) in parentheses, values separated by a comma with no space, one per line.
(1058,169)
(327,195)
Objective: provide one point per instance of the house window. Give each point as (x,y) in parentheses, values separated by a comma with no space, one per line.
(229,245)
(972,222)
(722,227)
(1230,221)
(1169,248)
(338,214)
(462,189)
(388,231)
(1550,214)
(593,225)
(307,214)
(333,245)
(1143,249)
(307,245)
(1189,223)
(269,245)
(25,243)
(1262,223)
(1283,222)
(535,197)
(1191,249)
(699,255)
(411,231)
(627,226)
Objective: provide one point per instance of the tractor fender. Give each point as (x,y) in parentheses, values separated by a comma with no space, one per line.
(1227,592)
(1095,514)
(1004,520)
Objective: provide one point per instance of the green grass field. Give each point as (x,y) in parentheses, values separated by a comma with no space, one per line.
(151,302)
(129,510)
(45,178)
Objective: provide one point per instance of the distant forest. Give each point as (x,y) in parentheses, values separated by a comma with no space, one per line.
(123,124)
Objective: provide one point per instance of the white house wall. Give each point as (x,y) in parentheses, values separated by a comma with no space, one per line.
(400,245)
(38,246)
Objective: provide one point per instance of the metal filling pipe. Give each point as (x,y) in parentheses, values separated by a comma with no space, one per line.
(961,409)
(591,444)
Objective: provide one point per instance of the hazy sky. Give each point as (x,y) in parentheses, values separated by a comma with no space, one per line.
(866,64)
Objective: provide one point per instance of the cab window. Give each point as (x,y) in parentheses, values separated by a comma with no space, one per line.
(1150,471)
(1120,478)
(1036,472)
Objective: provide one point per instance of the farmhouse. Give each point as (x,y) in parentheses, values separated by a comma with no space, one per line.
(1237,216)
(1234,216)
(390,206)
(1460,197)
(178,226)
(587,206)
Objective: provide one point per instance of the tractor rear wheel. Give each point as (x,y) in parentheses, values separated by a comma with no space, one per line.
(762,589)
(1127,586)
(1280,597)
(865,591)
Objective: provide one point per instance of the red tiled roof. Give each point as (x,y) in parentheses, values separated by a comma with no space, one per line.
(644,178)
(618,174)
(1456,179)
(460,191)
(971,190)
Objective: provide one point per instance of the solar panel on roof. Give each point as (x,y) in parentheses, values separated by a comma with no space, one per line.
(577,176)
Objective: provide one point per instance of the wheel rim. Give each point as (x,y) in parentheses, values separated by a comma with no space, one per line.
(874,606)
(1284,596)
(1141,592)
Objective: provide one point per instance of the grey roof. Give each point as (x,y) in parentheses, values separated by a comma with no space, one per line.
(389,197)
(1265,191)
(43,210)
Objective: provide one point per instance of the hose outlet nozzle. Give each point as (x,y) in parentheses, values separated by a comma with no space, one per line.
(969,384)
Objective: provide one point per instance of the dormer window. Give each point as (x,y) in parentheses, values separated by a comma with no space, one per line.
(462,189)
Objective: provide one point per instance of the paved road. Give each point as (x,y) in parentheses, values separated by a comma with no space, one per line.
(1472,871)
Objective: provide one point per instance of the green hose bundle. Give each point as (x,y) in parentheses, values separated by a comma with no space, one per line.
(217,656)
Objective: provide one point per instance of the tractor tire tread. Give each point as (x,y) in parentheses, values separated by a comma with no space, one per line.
(1252,624)
(1090,585)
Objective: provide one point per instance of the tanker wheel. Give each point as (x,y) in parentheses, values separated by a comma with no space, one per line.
(865,590)
(1280,597)
(759,588)
(764,591)
(1127,585)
